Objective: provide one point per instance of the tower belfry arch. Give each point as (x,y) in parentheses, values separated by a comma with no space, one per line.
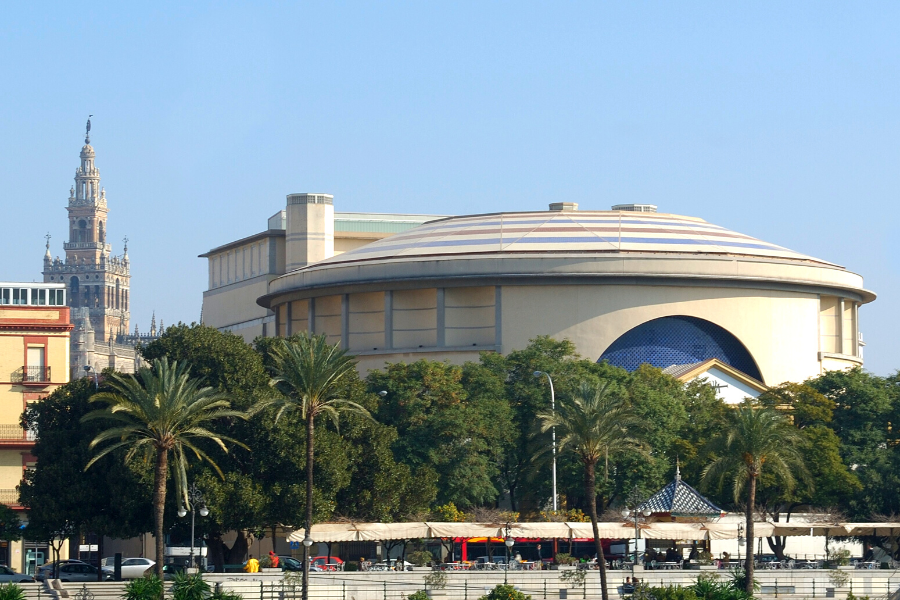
(99,281)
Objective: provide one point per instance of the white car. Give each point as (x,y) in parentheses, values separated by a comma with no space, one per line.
(134,568)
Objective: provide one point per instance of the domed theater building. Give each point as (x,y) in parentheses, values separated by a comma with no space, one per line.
(629,286)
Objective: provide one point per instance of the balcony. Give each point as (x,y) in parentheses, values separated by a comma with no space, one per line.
(9,497)
(36,375)
(13,435)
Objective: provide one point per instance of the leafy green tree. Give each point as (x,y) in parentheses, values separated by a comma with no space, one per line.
(833,484)
(442,428)
(309,373)
(10,524)
(593,423)
(865,408)
(108,500)
(755,437)
(160,412)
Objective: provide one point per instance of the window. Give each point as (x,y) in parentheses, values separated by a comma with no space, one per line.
(56,298)
(20,296)
(38,297)
(5,295)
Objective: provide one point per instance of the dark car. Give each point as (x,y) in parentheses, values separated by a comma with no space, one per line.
(7,575)
(81,572)
(46,570)
(289,563)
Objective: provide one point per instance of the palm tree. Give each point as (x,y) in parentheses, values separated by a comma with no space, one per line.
(161,411)
(309,373)
(593,424)
(754,437)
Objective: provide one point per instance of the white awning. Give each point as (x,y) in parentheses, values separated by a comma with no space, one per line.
(887,529)
(327,532)
(729,531)
(673,531)
(540,530)
(607,531)
(465,530)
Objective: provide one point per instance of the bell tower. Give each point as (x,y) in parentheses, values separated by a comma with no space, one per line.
(98,282)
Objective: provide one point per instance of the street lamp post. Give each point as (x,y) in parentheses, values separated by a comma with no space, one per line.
(194,498)
(307,542)
(508,542)
(634,499)
(553,431)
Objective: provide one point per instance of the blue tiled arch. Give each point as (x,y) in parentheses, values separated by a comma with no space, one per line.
(679,340)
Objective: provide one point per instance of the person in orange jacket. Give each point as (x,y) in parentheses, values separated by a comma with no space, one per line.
(274,559)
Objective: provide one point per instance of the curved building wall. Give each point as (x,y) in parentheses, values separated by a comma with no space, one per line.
(783,331)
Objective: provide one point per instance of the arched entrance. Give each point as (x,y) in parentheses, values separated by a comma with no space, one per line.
(679,340)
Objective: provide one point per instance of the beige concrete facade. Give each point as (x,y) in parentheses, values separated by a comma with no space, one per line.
(306,232)
(34,360)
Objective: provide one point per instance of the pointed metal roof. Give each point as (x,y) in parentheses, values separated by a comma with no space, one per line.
(680,500)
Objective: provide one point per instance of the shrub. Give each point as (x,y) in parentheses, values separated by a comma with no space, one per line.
(11,591)
(574,578)
(436,580)
(265,562)
(351,566)
(420,558)
(223,595)
(505,592)
(420,595)
(672,592)
(149,587)
(564,558)
(189,587)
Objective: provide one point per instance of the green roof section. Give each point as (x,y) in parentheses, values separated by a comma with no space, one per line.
(379,223)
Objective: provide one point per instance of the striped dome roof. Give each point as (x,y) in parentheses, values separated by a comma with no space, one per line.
(564,232)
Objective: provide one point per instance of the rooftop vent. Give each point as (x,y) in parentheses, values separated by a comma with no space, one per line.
(564,206)
(635,207)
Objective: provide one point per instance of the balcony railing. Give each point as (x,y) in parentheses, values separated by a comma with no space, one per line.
(9,497)
(14,433)
(32,375)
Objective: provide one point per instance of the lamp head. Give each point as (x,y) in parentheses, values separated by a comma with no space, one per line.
(182,512)
(87,368)
(538,373)
(203,511)
(509,542)
(647,512)
(382,393)
(626,513)
(307,541)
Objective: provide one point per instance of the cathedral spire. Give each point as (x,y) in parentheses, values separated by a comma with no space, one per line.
(153,325)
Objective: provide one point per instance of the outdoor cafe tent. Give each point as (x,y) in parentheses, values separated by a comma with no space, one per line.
(360,532)
(731,531)
(879,529)
(674,531)
(814,529)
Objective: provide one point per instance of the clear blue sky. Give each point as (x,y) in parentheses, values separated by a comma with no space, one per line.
(778,120)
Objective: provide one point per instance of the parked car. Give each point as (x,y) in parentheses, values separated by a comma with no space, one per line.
(46,570)
(7,575)
(82,572)
(289,563)
(134,568)
(326,563)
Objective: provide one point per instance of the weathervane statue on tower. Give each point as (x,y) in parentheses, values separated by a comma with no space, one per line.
(87,132)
